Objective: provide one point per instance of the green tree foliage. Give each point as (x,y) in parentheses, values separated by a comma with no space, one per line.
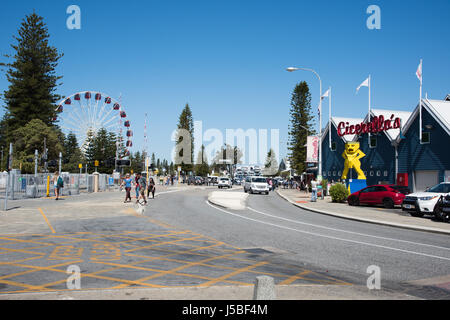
(29,138)
(339,193)
(185,123)
(201,165)
(72,155)
(230,152)
(301,118)
(31,74)
(100,146)
(271,165)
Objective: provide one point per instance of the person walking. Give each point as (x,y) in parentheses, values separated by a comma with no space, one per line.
(136,183)
(127,183)
(58,183)
(142,188)
(314,190)
(151,188)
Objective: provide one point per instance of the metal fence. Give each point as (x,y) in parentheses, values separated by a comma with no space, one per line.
(22,186)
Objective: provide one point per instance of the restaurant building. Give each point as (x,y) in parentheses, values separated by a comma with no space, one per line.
(390,141)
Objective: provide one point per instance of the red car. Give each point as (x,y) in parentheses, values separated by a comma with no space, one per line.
(387,195)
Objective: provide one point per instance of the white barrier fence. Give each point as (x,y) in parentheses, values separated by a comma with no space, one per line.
(22,186)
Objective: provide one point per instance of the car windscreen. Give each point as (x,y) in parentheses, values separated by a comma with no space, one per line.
(223,179)
(440,188)
(260,180)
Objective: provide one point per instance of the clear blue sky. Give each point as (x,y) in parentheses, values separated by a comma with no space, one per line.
(227,58)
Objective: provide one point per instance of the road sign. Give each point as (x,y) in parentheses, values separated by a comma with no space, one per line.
(80,166)
(96,163)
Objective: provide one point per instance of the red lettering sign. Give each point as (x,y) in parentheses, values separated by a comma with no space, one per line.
(377,124)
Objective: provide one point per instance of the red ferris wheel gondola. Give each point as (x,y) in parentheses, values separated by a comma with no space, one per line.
(123,114)
(98,96)
(116,106)
(77,97)
(129,143)
(87,95)
(127,123)
(60,108)
(129,133)
(107,100)
(68,101)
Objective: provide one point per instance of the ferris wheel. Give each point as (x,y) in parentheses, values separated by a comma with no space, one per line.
(89,111)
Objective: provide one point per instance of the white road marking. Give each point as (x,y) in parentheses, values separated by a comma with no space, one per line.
(331,237)
(345,231)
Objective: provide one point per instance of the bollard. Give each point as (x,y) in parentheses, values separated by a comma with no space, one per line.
(264,288)
(96,177)
(48,186)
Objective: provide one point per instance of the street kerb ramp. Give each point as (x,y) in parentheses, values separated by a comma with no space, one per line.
(229,200)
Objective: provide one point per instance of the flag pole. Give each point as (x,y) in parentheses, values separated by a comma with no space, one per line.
(420,103)
(368,119)
(329,121)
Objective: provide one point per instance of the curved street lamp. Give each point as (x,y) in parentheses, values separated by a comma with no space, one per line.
(292,69)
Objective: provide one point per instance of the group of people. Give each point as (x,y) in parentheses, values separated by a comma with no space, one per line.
(142,190)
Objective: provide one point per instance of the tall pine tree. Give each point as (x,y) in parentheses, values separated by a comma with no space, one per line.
(33,81)
(300,126)
(185,124)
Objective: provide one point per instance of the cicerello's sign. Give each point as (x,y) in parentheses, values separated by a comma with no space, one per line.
(377,124)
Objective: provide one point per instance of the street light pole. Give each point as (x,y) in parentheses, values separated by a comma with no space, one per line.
(291,69)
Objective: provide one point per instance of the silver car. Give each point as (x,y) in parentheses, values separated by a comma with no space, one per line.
(256,185)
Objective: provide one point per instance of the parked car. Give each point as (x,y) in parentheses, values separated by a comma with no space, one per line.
(224,182)
(442,211)
(256,185)
(212,180)
(387,195)
(418,204)
(199,180)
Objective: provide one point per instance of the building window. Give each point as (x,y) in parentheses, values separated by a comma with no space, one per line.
(329,173)
(378,173)
(334,173)
(324,174)
(385,173)
(373,142)
(339,173)
(371,173)
(425,137)
(333,146)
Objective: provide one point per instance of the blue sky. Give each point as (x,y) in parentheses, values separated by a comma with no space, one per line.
(227,58)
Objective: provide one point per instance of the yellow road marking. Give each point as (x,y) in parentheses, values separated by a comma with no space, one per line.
(172,271)
(209,283)
(297,276)
(46,220)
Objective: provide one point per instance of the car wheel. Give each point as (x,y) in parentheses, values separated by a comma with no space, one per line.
(251,191)
(441,215)
(388,203)
(353,201)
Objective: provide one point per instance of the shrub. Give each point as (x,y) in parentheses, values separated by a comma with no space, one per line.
(339,193)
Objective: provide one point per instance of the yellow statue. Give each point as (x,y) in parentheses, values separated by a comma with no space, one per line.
(352,154)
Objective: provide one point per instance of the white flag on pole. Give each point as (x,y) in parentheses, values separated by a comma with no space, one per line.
(326,94)
(419,72)
(364,84)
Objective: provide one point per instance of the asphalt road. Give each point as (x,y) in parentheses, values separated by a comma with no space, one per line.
(341,248)
(183,240)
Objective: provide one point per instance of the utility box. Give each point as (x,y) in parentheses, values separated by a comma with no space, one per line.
(402,179)
(31,191)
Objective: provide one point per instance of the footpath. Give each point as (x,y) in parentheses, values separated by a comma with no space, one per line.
(372,214)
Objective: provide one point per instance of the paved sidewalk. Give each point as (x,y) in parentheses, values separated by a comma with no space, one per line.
(378,215)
